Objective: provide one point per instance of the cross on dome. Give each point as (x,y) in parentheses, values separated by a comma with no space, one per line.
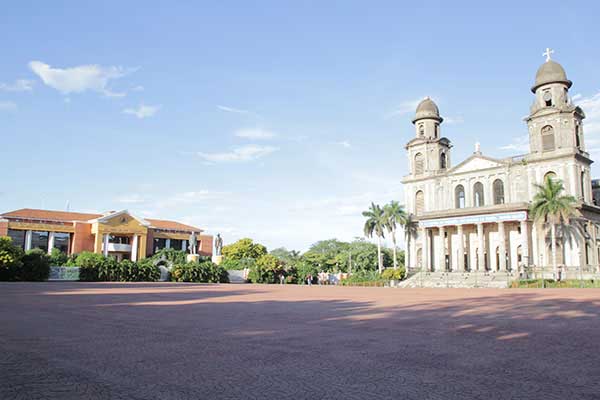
(547,53)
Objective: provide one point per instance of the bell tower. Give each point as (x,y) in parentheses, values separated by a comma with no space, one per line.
(428,152)
(555,124)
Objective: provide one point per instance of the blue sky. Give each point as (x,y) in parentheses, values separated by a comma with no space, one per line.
(280,121)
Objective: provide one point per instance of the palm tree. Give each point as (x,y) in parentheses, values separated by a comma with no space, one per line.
(375,223)
(394,215)
(410,231)
(551,206)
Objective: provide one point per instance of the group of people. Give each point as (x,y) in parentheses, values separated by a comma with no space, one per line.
(323,278)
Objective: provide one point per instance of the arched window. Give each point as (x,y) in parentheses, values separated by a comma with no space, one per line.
(547,138)
(421,130)
(442,160)
(551,175)
(478,194)
(498,191)
(577,137)
(437,130)
(419,202)
(583,185)
(419,164)
(459,195)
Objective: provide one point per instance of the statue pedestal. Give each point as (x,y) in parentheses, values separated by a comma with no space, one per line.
(192,258)
(217,259)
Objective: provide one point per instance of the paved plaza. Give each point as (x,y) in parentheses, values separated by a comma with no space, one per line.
(187,341)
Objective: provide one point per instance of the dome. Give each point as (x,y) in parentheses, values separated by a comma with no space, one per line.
(550,72)
(427,109)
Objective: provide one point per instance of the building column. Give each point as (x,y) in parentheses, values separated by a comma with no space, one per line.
(134,248)
(105,245)
(184,245)
(480,248)
(442,249)
(50,242)
(168,243)
(460,264)
(143,247)
(502,247)
(524,244)
(424,249)
(28,239)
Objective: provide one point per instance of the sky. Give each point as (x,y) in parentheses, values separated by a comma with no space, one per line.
(279,121)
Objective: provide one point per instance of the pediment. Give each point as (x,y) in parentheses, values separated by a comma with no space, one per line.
(475,163)
(122,221)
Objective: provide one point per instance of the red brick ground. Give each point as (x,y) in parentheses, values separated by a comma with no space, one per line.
(178,341)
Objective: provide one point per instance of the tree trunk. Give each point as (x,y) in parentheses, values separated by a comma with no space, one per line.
(553,244)
(395,256)
(380,264)
(407,252)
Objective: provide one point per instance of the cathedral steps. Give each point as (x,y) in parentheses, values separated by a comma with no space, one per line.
(458,280)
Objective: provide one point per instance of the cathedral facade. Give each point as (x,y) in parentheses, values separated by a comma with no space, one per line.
(474,216)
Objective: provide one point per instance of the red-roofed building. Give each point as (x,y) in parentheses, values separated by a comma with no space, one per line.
(117,233)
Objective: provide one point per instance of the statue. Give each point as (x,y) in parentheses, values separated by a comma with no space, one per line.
(193,243)
(218,244)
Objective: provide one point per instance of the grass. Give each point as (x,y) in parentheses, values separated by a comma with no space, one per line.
(551,283)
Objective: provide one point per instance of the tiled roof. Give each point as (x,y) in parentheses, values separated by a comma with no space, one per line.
(172,225)
(48,215)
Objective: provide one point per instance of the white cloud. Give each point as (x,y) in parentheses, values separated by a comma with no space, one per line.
(520,143)
(79,79)
(133,198)
(233,110)
(344,143)
(256,133)
(591,108)
(142,111)
(7,106)
(405,107)
(138,88)
(454,120)
(20,85)
(244,153)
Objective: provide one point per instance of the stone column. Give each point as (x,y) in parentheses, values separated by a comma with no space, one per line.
(50,242)
(168,243)
(134,248)
(442,250)
(28,240)
(424,249)
(524,243)
(460,264)
(480,248)
(105,245)
(502,247)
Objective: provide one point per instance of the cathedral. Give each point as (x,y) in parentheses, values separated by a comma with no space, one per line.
(474,216)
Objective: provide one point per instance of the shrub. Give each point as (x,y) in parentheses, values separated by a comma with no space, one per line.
(393,274)
(145,271)
(364,277)
(58,258)
(175,256)
(89,265)
(36,266)
(266,269)
(231,264)
(10,260)
(304,269)
(204,272)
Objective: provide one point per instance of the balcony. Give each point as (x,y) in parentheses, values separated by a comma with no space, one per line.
(118,247)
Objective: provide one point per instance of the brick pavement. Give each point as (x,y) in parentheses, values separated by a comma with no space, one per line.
(184,341)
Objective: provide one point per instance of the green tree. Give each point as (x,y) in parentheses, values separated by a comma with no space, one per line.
(10,260)
(244,248)
(395,216)
(375,224)
(410,231)
(551,206)
(289,257)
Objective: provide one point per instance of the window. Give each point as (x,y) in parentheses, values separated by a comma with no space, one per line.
(61,242)
(119,239)
(419,164)
(547,98)
(478,194)
(18,237)
(39,240)
(459,195)
(159,244)
(442,160)
(550,175)
(437,130)
(421,130)
(498,186)
(582,185)
(547,138)
(419,202)
(176,244)
(577,137)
